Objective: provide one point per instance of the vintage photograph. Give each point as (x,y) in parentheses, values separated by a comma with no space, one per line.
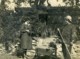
(39,29)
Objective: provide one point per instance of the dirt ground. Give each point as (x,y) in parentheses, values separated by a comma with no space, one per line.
(41,43)
(7,56)
(76,52)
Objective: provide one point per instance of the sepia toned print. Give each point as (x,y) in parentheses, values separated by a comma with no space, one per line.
(39,29)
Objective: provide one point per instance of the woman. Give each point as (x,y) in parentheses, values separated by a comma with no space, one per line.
(26,40)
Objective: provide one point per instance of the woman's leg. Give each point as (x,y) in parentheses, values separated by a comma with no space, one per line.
(24,53)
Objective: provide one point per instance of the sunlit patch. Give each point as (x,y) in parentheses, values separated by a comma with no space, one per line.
(25,4)
(10,5)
